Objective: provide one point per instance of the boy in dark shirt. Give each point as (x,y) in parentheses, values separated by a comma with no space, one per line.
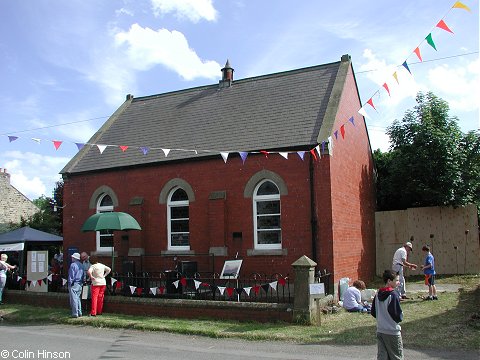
(386,309)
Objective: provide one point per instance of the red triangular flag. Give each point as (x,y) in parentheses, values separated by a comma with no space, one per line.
(118,285)
(256,289)
(229,291)
(386,88)
(161,289)
(183,281)
(139,291)
(57,144)
(282,281)
(342,131)
(370,102)
(441,24)
(417,51)
(264,153)
(123,147)
(313,154)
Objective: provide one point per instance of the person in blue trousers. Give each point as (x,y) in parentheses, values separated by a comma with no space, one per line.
(75,282)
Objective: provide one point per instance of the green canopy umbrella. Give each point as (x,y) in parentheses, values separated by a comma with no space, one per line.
(110,221)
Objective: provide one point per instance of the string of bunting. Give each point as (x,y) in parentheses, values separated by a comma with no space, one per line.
(230,291)
(160,290)
(320,148)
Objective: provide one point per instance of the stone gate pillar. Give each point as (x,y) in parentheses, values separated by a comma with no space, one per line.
(303,303)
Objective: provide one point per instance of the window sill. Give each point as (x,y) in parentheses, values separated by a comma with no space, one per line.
(178,252)
(265,252)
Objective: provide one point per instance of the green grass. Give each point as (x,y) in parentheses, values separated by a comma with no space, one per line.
(455,317)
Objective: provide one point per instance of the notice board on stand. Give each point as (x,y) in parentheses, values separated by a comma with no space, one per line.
(37,271)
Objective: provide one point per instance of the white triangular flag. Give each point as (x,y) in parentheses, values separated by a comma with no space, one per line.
(19,278)
(33,283)
(224,156)
(330,145)
(37,140)
(197,284)
(113,281)
(284,154)
(247,290)
(363,113)
(175,283)
(101,148)
(318,151)
(64,281)
(166,151)
(153,290)
(49,277)
(273,285)
(132,289)
(221,289)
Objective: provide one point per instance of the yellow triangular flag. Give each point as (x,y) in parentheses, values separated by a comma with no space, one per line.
(460,5)
(396,77)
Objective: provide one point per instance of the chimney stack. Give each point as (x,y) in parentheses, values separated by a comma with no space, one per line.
(5,175)
(227,76)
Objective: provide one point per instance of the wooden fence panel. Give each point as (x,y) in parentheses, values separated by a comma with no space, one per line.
(452,234)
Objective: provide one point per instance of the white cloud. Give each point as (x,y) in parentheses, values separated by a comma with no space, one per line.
(459,84)
(33,174)
(147,48)
(194,10)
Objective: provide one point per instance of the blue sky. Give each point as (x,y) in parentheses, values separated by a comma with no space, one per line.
(68,65)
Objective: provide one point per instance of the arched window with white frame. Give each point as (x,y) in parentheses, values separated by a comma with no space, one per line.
(266,216)
(178,220)
(104,237)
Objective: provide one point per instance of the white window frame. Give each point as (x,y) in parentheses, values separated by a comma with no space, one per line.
(259,198)
(101,209)
(171,204)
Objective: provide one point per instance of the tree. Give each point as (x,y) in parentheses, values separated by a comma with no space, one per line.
(430,162)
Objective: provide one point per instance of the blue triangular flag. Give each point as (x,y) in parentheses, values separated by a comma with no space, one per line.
(243,155)
(405,65)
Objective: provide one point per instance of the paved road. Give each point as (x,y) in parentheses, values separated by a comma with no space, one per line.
(79,342)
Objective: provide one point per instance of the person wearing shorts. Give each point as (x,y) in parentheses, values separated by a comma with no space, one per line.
(429,272)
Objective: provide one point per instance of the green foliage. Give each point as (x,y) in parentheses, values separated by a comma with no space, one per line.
(430,162)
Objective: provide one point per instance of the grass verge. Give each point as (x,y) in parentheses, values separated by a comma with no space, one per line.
(455,317)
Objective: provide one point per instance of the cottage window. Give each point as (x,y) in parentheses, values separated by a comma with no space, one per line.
(178,220)
(266,216)
(104,237)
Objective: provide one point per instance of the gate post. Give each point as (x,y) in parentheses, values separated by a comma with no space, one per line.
(303,303)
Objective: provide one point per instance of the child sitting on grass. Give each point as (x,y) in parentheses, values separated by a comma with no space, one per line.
(352,299)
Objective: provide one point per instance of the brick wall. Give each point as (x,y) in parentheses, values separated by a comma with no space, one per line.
(187,309)
(352,187)
(234,213)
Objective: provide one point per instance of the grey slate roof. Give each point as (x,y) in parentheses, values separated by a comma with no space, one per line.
(277,111)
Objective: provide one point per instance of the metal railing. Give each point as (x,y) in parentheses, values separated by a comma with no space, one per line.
(274,288)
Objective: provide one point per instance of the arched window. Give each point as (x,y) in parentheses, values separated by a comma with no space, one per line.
(104,237)
(178,220)
(266,216)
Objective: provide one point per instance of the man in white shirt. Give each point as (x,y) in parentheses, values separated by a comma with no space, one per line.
(398,264)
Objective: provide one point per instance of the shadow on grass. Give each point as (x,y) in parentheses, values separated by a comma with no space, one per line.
(451,323)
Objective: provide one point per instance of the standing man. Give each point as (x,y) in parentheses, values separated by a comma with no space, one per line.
(75,282)
(429,272)
(399,262)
